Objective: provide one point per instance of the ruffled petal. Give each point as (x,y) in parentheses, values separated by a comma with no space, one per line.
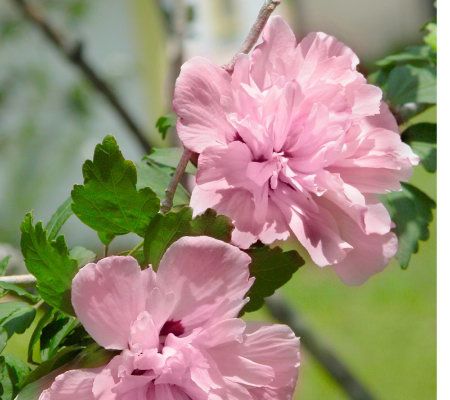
(202,96)
(72,385)
(206,276)
(104,302)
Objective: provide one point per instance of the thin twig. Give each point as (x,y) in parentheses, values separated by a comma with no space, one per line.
(22,280)
(263,16)
(167,203)
(285,314)
(73,52)
(255,32)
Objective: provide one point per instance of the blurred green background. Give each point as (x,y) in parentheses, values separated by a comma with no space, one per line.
(50,120)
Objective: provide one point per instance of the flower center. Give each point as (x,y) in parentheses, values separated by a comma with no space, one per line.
(173,327)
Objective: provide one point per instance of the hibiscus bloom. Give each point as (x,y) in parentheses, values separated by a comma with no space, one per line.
(177,331)
(294,140)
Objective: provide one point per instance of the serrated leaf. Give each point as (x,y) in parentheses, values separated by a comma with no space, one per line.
(59,218)
(164,123)
(167,228)
(412,212)
(49,261)
(168,157)
(109,201)
(4,264)
(411,84)
(16,317)
(422,139)
(158,178)
(272,268)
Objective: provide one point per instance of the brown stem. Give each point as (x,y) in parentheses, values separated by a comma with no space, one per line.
(73,52)
(263,16)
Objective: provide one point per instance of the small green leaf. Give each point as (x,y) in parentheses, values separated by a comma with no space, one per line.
(109,201)
(168,157)
(16,317)
(4,264)
(272,268)
(82,255)
(158,178)
(3,338)
(59,218)
(422,139)
(412,211)
(164,123)
(410,84)
(12,373)
(6,287)
(167,228)
(409,55)
(49,261)
(431,35)
(6,383)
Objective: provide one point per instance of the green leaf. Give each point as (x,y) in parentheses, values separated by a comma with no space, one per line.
(109,201)
(167,228)
(411,211)
(4,264)
(3,338)
(82,256)
(410,84)
(49,261)
(164,123)
(422,139)
(168,157)
(158,178)
(59,218)
(272,268)
(12,373)
(409,55)
(16,317)
(6,287)
(431,35)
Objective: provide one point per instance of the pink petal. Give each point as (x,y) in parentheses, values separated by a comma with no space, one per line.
(206,276)
(72,385)
(103,301)
(276,346)
(202,95)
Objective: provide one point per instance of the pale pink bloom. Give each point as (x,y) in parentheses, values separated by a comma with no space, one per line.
(177,331)
(294,140)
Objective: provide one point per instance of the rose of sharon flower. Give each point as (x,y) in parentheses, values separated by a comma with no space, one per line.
(178,331)
(294,140)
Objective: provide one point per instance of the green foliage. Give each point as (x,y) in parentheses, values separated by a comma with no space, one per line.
(422,139)
(7,287)
(150,174)
(412,211)
(167,228)
(12,373)
(15,317)
(272,268)
(109,201)
(49,261)
(4,264)
(59,218)
(164,123)
(168,157)
(430,37)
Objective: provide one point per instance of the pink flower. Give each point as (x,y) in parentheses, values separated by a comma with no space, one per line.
(294,140)
(177,331)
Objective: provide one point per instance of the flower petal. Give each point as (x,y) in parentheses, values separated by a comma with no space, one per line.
(208,277)
(108,297)
(202,94)
(72,385)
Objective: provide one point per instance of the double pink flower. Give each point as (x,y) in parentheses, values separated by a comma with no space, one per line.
(177,331)
(295,140)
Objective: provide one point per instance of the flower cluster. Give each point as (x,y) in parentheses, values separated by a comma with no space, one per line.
(177,331)
(295,140)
